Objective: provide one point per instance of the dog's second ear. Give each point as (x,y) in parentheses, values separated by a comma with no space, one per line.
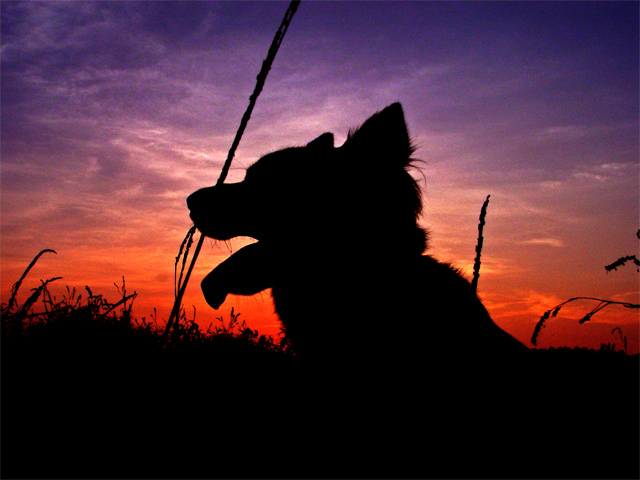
(383,135)
(323,142)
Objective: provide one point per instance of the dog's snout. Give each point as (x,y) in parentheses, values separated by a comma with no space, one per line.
(192,200)
(216,211)
(197,199)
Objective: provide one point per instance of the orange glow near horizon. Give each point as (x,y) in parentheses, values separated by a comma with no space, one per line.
(515,310)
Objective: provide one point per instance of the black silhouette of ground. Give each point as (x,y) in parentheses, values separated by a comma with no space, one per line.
(95,399)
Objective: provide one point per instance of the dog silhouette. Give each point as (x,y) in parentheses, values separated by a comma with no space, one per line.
(340,245)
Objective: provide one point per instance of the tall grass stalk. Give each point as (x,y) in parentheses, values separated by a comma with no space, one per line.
(16,286)
(262,76)
(476,263)
(188,240)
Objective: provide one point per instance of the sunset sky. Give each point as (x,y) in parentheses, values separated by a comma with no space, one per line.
(113,112)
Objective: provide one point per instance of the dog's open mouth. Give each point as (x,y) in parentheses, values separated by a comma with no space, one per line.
(246,272)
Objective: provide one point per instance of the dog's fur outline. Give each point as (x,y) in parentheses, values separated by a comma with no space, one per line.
(340,245)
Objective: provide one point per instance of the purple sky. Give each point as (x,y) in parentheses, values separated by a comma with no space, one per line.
(113,112)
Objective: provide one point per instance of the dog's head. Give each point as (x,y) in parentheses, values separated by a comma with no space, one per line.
(359,191)
(262,205)
(315,203)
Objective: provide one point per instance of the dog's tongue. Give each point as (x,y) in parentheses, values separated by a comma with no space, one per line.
(213,289)
(246,272)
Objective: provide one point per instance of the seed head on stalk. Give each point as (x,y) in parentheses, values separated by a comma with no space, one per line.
(262,76)
(476,263)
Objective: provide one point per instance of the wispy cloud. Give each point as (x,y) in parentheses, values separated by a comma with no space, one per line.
(550,242)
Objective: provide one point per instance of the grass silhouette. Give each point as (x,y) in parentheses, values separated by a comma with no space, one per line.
(90,391)
(553,312)
(77,313)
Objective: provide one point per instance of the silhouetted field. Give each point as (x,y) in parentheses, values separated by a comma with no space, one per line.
(89,391)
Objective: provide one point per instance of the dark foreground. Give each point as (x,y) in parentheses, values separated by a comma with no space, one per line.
(104,406)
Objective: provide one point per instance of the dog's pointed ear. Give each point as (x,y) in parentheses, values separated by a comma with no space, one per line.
(323,142)
(384,133)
